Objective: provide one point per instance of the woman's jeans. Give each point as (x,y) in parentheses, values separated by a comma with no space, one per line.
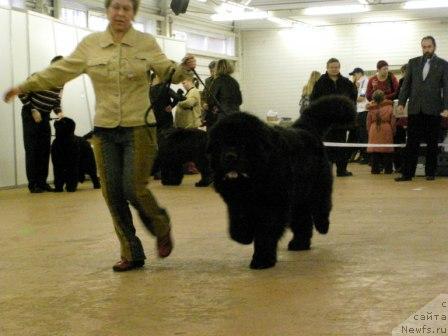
(124,157)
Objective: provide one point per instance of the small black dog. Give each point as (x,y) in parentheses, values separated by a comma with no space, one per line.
(270,177)
(178,146)
(72,157)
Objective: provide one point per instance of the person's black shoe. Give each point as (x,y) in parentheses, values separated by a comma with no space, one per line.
(403,179)
(430,178)
(46,187)
(344,174)
(36,190)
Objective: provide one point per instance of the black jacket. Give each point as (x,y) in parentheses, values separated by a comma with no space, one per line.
(227,91)
(160,99)
(326,86)
(429,96)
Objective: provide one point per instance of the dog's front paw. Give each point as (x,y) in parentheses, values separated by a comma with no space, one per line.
(203,183)
(262,263)
(298,245)
(322,225)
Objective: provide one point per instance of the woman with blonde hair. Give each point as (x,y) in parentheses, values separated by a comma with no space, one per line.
(308,89)
(225,94)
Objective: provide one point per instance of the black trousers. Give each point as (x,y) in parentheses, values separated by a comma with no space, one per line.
(338,155)
(37,141)
(382,161)
(399,138)
(359,133)
(421,127)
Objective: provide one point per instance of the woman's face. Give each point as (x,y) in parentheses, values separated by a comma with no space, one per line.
(384,71)
(120,14)
(187,84)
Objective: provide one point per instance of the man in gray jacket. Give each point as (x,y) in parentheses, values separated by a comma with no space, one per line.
(426,86)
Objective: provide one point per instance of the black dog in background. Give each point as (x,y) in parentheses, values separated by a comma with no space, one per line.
(270,177)
(178,146)
(72,157)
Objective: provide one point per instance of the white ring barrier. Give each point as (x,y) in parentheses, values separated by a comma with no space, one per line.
(359,145)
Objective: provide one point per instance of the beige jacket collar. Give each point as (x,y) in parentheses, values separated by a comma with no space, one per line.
(130,38)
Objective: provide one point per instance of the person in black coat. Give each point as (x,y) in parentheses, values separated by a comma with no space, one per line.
(163,100)
(330,83)
(225,95)
(426,87)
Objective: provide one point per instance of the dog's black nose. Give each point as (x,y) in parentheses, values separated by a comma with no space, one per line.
(230,157)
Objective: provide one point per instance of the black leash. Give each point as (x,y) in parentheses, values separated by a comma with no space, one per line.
(208,90)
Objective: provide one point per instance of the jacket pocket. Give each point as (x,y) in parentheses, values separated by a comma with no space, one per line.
(138,67)
(98,67)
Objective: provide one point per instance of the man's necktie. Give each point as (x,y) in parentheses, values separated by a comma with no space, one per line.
(426,69)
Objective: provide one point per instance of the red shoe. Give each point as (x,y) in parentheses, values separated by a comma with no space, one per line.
(124,265)
(165,245)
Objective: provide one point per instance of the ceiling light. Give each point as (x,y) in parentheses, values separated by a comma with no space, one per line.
(363,2)
(240,16)
(332,10)
(231,11)
(425,4)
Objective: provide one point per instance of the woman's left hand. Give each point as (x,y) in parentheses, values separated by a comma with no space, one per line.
(189,62)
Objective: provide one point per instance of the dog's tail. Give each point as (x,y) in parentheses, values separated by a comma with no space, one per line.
(333,110)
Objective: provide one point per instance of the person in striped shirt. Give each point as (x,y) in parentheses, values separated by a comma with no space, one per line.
(36,110)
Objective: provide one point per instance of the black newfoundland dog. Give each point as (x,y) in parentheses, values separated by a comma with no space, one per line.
(72,157)
(178,146)
(271,177)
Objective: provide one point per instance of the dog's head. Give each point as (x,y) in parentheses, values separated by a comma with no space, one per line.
(240,147)
(65,127)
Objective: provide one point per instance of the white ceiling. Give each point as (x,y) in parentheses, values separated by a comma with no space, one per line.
(381,10)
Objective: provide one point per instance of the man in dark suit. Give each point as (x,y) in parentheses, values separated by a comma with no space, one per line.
(426,86)
(333,83)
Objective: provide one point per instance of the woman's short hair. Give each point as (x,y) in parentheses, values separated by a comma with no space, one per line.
(223,67)
(135,4)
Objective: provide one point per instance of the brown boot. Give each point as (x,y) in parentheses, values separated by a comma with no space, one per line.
(165,245)
(124,265)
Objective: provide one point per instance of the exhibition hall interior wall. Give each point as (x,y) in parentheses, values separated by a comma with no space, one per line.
(277,63)
(28,42)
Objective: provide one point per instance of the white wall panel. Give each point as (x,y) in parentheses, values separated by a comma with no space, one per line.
(277,63)
(174,49)
(19,48)
(7,152)
(74,101)
(41,41)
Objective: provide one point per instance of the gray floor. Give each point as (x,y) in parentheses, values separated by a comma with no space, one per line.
(385,257)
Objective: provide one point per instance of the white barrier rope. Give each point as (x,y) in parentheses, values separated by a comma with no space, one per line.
(359,145)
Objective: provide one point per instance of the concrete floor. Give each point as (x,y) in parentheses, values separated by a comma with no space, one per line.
(385,257)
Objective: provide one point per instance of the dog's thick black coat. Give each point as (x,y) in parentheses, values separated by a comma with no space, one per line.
(271,177)
(72,157)
(179,146)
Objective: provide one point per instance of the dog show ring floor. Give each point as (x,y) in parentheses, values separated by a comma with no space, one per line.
(385,257)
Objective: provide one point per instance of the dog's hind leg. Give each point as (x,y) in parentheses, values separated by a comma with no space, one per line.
(203,165)
(301,224)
